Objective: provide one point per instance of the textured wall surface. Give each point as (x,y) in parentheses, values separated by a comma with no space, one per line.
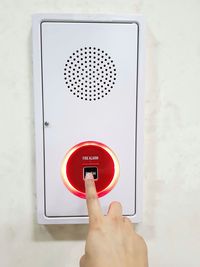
(172,136)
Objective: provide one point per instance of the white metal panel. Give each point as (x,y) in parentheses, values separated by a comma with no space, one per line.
(111,120)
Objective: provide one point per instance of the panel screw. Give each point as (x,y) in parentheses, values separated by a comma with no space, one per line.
(46,123)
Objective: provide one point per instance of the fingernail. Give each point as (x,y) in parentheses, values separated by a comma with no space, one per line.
(89,176)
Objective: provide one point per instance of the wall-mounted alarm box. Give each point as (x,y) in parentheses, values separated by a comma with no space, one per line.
(88,89)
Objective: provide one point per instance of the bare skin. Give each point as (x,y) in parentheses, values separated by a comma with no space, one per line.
(111,240)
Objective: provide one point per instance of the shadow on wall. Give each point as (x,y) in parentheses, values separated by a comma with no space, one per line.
(152,185)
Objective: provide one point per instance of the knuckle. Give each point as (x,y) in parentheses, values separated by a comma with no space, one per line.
(94,221)
(127,220)
(128,224)
(92,196)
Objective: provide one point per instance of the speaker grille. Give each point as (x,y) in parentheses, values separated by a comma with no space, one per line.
(90,73)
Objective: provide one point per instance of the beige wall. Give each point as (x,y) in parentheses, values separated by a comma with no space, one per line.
(171,222)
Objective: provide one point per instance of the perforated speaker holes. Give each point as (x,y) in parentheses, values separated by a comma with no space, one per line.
(90,73)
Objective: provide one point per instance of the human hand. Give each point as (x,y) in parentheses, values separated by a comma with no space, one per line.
(111,240)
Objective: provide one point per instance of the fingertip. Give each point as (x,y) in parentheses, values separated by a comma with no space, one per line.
(115,209)
(116,204)
(89,176)
(89,184)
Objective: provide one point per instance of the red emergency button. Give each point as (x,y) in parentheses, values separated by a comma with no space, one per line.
(92,157)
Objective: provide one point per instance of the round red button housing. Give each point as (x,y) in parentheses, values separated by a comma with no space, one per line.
(90,156)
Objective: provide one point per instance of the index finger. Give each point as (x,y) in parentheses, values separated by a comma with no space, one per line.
(93,205)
